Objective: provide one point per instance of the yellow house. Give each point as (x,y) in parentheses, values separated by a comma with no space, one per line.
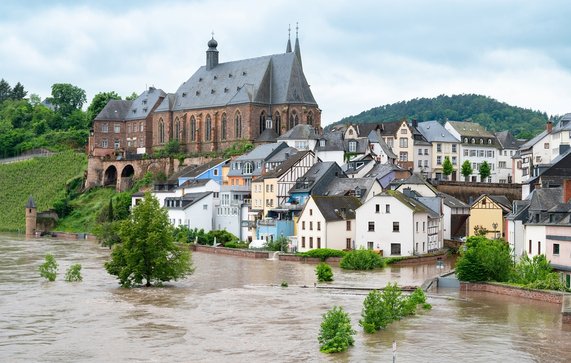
(488,213)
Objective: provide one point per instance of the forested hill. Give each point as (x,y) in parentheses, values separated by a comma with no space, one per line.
(488,112)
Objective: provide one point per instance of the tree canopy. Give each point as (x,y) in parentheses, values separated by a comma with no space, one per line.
(488,112)
(147,251)
(447,167)
(466,169)
(485,170)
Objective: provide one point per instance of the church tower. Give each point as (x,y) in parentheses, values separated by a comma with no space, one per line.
(31,215)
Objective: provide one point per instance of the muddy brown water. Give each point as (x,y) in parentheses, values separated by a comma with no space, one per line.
(233,310)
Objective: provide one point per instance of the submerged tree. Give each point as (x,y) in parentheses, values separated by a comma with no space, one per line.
(147,251)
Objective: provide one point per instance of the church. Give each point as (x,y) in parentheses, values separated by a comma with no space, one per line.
(256,99)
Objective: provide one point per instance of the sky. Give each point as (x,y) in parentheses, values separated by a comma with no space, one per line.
(356,54)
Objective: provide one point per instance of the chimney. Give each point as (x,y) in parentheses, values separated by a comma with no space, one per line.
(566,190)
(414,123)
(549,126)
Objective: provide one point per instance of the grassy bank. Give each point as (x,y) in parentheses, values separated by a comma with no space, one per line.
(86,208)
(43,178)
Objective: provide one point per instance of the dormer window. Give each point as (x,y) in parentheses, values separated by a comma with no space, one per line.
(144,102)
(134,110)
(198,93)
(225,90)
(212,91)
(229,75)
(215,78)
(352,146)
(481,141)
(184,94)
(473,141)
(489,141)
(322,143)
(466,140)
(244,73)
(248,168)
(200,79)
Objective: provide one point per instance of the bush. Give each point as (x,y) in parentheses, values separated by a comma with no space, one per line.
(374,314)
(107,233)
(417,297)
(48,269)
(278,244)
(73,273)
(322,253)
(324,272)
(552,281)
(336,333)
(361,259)
(284,284)
(236,245)
(485,260)
(530,270)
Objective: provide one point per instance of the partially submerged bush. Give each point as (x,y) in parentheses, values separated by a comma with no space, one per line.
(361,259)
(73,273)
(324,272)
(48,269)
(336,333)
(323,253)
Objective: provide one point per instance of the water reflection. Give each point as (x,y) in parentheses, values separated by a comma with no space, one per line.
(233,309)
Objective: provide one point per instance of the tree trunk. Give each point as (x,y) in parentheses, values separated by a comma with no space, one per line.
(148,284)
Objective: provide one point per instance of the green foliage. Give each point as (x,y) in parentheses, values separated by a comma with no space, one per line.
(447,167)
(73,273)
(552,281)
(484,260)
(107,233)
(44,178)
(491,114)
(242,245)
(466,169)
(485,171)
(278,244)
(238,148)
(361,259)
(284,284)
(148,251)
(324,272)
(382,308)
(336,333)
(322,253)
(537,273)
(99,101)
(48,269)
(67,98)
(145,181)
(89,211)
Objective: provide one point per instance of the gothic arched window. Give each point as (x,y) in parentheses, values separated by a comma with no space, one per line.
(208,129)
(238,125)
(293,119)
(310,118)
(192,129)
(277,122)
(262,121)
(224,127)
(161,131)
(177,129)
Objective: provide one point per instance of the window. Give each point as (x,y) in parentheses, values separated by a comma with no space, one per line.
(481,153)
(116,144)
(104,143)
(439,160)
(311,225)
(556,248)
(177,129)
(322,143)
(387,208)
(420,163)
(352,146)
(348,226)
(310,242)
(454,160)
(454,148)
(141,127)
(403,156)
(248,168)
(303,225)
(546,145)
(192,129)
(223,127)
(371,226)
(529,247)
(319,226)
(466,152)
(438,148)
(424,226)
(310,211)
(417,230)
(370,245)
(403,142)
(161,131)
(310,118)
(403,131)
(395,249)
(208,127)
(426,163)
(489,154)
(425,151)
(105,128)
(419,151)
(205,206)
(348,243)
(377,208)
(293,119)
(303,242)
(117,128)
(539,247)
(396,227)
(277,122)
(318,242)
(473,152)
(501,164)
(238,125)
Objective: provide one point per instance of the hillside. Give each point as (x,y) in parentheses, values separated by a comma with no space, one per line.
(488,112)
(46,179)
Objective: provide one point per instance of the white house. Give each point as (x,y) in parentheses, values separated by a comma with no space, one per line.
(194,210)
(327,222)
(397,225)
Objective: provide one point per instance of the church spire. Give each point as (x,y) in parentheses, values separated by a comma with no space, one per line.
(288,47)
(297,50)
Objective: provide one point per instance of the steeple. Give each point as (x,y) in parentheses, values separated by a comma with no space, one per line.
(288,47)
(212,54)
(297,50)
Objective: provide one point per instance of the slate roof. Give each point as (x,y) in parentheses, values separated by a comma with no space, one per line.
(333,142)
(415,178)
(413,204)
(502,200)
(545,198)
(275,79)
(285,166)
(470,129)
(315,175)
(374,136)
(564,123)
(194,183)
(361,147)
(30,203)
(300,132)
(337,208)
(140,108)
(519,211)
(452,201)
(193,172)
(347,186)
(528,144)
(262,152)
(507,140)
(114,110)
(282,155)
(433,131)
(380,170)
(268,135)
(187,200)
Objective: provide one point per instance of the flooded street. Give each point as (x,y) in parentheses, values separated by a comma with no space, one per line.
(234,310)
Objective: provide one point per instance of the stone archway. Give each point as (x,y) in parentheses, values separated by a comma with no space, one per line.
(127,175)
(110,176)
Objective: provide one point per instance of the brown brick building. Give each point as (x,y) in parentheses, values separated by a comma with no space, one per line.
(218,105)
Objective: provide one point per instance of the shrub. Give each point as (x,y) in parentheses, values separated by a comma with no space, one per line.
(552,281)
(284,284)
(73,273)
(278,244)
(361,259)
(374,314)
(48,269)
(323,253)
(324,272)
(416,298)
(529,270)
(236,245)
(485,260)
(336,333)
(107,233)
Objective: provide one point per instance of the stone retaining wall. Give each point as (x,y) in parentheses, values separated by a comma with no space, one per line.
(295,258)
(547,296)
(230,251)
(74,236)
(418,259)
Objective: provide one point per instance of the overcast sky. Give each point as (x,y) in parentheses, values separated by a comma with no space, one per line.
(356,54)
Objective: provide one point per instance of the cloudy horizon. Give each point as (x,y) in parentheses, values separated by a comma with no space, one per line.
(356,55)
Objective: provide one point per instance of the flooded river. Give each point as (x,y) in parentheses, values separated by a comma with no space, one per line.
(233,310)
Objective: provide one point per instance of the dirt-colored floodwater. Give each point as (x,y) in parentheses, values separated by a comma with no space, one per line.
(233,310)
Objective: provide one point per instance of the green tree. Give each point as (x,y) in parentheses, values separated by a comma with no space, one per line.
(132,97)
(5,90)
(67,98)
(485,171)
(98,103)
(336,333)
(485,260)
(18,92)
(324,272)
(148,251)
(447,167)
(35,99)
(374,315)
(48,269)
(361,259)
(73,273)
(466,169)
